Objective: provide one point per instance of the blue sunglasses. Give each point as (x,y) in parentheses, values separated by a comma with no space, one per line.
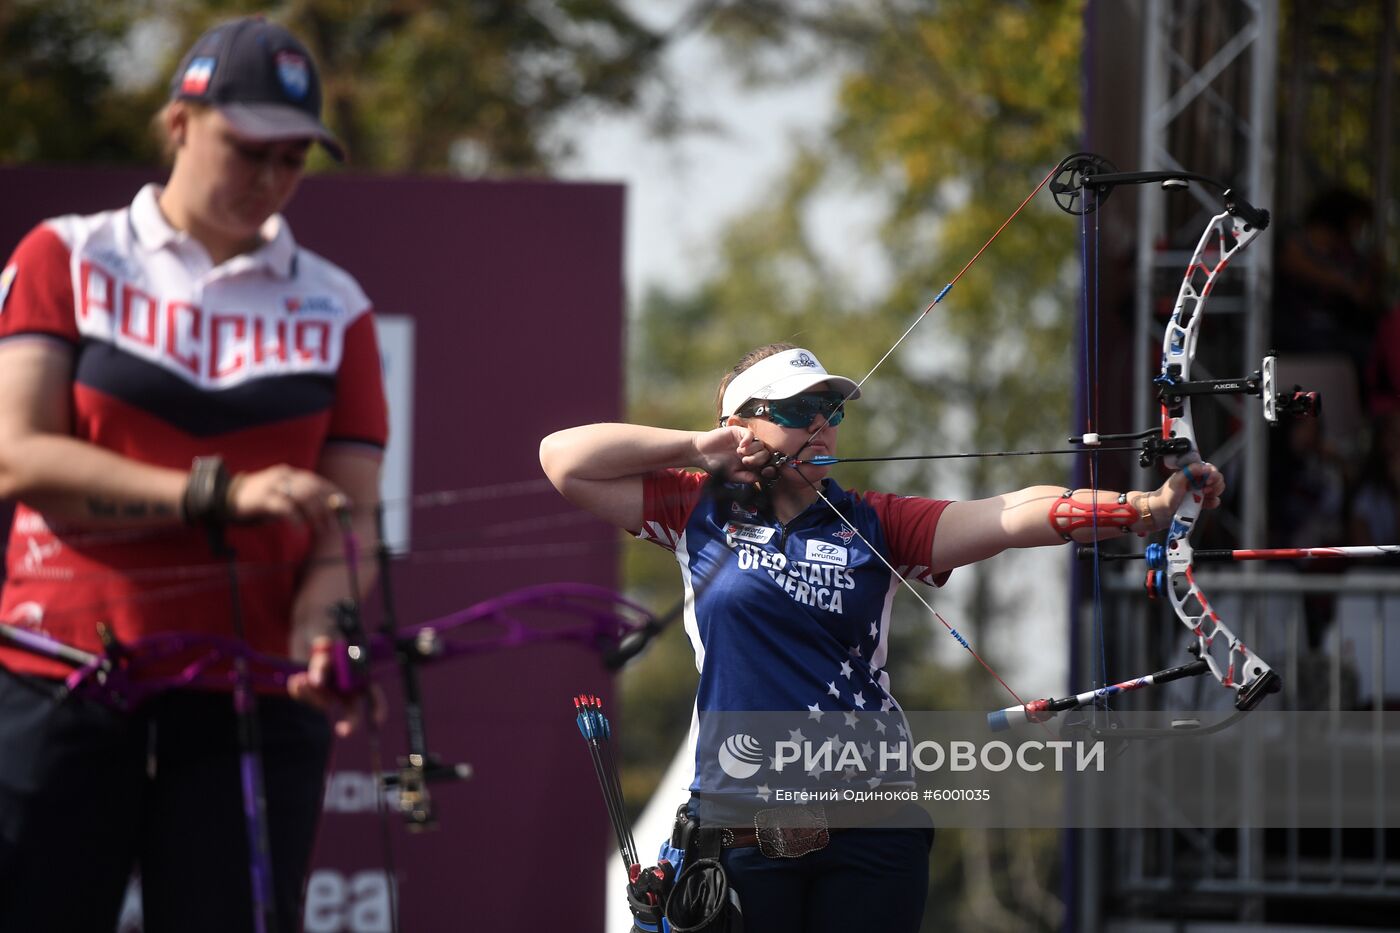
(800,410)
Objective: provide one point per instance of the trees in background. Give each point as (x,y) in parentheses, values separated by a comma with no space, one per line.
(409,85)
(63,94)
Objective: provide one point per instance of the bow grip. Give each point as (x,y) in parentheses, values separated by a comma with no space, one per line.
(348,676)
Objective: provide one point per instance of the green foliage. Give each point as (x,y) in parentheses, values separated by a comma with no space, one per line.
(409,85)
(1337,90)
(1332,97)
(58,95)
(479,86)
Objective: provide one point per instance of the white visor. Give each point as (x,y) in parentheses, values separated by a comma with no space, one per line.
(782,375)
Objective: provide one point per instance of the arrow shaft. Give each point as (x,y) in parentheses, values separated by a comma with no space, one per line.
(1287,553)
(1311,553)
(824,460)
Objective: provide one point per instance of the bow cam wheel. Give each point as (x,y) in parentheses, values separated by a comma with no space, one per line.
(1071,180)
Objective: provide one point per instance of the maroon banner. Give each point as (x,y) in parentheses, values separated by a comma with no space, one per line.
(515,294)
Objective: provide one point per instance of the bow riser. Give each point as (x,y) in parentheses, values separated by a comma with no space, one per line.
(1225,236)
(1230,661)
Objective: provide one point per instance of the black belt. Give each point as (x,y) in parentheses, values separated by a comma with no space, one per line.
(777,839)
(737,838)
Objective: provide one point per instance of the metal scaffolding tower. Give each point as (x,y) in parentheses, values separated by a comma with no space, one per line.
(1194,85)
(1208,106)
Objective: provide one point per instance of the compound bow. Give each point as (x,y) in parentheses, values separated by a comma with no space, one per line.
(1081,183)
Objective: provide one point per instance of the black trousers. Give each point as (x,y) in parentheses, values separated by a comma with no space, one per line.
(86,793)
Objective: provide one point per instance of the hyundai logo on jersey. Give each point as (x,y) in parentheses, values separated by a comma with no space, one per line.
(826,553)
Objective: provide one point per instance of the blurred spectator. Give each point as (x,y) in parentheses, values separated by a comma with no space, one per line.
(1328,281)
(1307,492)
(1307,486)
(1374,516)
(1383,368)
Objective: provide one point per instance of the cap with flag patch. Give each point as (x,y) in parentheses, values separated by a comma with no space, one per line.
(261,78)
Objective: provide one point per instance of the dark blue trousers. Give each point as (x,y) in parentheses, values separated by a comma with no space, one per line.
(865,879)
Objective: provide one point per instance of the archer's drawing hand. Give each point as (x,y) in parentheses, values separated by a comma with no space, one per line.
(733,452)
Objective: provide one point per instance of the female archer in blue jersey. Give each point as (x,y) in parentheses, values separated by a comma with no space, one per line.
(788,592)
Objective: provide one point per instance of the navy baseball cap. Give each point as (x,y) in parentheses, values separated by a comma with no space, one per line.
(261,78)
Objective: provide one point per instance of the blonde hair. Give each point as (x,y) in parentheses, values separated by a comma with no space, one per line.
(748,360)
